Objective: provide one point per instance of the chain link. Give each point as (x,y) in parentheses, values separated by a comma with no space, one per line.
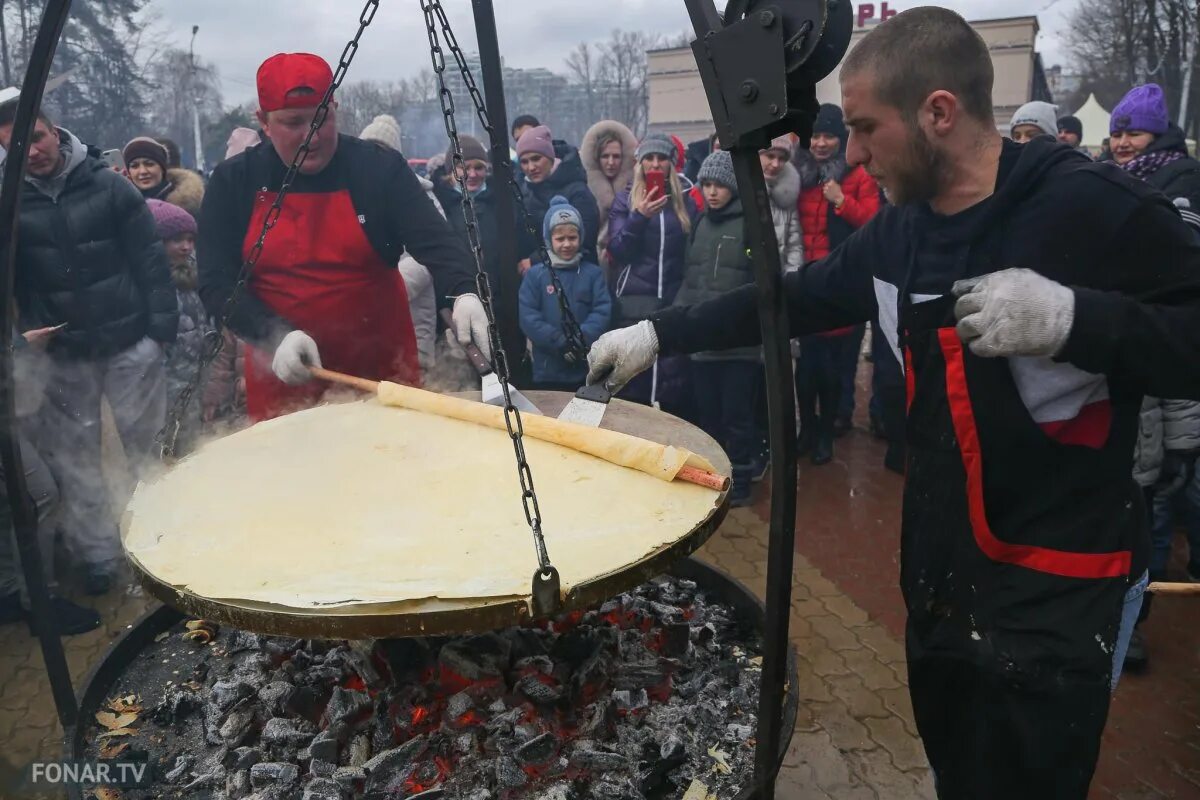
(576,341)
(512,416)
(214,342)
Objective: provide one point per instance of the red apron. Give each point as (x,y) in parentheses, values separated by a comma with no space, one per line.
(319,272)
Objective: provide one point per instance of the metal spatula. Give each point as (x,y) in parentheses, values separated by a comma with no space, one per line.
(490,389)
(588,406)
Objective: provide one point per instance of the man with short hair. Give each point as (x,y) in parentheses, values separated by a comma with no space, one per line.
(325,290)
(1070,131)
(522,123)
(1035,297)
(91,267)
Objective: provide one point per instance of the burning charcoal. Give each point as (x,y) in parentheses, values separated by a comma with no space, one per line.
(502,724)
(390,764)
(532,664)
(287,732)
(324,747)
(241,640)
(359,659)
(666,614)
(532,687)
(672,748)
(458,705)
(538,750)
(657,763)
(322,769)
(175,773)
(347,777)
(431,794)
(644,675)
(559,791)
(237,784)
(466,744)
(344,704)
(591,676)
(509,774)
(526,642)
(242,758)
(630,701)
(360,750)
(304,702)
(737,733)
(675,639)
(213,778)
(615,787)
(600,720)
(273,772)
(383,734)
(176,704)
(237,723)
(476,658)
(322,789)
(225,693)
(275,695)
(585,757)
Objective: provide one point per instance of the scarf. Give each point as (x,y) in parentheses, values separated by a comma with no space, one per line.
(1147,164)
(818,173)
(563,263)
(184,275)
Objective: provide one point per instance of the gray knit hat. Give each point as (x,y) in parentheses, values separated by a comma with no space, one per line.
(656,144)
(561,213)
(1041,115)
(718,168)
(472,150)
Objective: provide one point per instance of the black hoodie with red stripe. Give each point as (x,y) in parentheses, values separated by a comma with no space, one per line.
(1022,525)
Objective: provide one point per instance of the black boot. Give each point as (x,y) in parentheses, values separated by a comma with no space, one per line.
(822,452)
(740,487)
(98,580)
(842,426)
(806,440)
(894,459)
(72,619)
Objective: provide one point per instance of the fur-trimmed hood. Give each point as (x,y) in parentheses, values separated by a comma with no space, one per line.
(785,191)
(602,188)
(188,191)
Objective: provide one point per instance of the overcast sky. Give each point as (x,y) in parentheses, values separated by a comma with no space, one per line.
(238,34)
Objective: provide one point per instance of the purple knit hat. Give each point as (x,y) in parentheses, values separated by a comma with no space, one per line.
(171,220)
(1143,108)
(536,140)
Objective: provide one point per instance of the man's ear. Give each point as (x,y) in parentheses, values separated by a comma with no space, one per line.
(941,110)
(262,117)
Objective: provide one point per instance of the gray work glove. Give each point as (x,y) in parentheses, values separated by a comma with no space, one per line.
(471,323)
(1014,312)
(617,356)
(295,354)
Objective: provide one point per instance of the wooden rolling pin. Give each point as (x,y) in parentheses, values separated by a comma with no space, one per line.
(710,480)
(1176,589)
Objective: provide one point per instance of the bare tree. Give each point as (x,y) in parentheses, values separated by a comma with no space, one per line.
(623,64)
(174,90)
(584,67)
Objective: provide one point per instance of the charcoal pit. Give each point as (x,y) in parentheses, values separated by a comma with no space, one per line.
(637,698)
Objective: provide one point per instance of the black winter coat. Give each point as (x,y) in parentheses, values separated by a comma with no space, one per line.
(93,259)
(570,181)
(1179,180)
(485,215)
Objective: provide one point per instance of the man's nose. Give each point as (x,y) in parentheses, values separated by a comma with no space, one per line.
(855,154)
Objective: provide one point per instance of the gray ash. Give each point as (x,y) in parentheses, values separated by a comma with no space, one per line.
(629,701)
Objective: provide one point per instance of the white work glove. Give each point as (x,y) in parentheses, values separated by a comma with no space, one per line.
(295,354)
(1014,312)
(471,323)
(618,356)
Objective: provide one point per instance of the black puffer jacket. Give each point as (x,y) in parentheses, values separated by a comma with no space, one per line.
(1179,180)
(91,257)
(570,181)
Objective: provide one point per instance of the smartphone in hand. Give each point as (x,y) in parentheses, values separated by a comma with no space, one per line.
(113,159)
(656,180)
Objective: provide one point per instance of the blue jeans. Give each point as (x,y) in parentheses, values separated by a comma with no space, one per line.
(1185,504)
(1129,616)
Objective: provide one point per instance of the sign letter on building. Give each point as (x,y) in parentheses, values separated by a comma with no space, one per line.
(866,11)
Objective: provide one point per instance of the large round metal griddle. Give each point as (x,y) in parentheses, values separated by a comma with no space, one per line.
(441,617)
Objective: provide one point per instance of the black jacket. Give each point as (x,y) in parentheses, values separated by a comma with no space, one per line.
(485,215)
(1135,270)
(1179,180)
(570,181)
(694,157)
(92,258)
(395,211)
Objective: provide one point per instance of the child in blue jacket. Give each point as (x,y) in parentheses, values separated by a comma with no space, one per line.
(554,366)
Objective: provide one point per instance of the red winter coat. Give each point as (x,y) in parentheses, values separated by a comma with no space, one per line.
(825,227)
(816,213)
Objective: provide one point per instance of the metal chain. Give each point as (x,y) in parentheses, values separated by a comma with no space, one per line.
(215,341)
(512,417)
(576,341)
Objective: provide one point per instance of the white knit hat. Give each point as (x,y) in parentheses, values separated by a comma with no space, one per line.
(383,129)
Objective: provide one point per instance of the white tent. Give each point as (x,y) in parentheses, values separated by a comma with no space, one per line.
(1095,123)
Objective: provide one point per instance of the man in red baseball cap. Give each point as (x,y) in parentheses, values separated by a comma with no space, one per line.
(326,290)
